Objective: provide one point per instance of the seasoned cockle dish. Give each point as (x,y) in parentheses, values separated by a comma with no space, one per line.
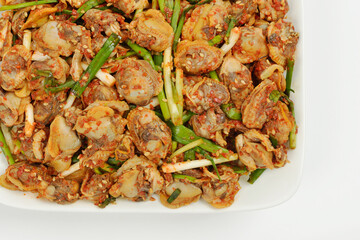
(118,99)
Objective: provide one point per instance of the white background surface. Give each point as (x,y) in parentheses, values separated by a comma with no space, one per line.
(327,204)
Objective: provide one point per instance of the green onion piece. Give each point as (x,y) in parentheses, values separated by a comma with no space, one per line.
(198,2)
(5,148)
(187,116)
(162,5)
(169,4)
(230,27)
(187,147)
(112,8)
(175,15)
(154,4)
(26,4)
(168,83)
(112,161)
(180,176)
(179,82)
(145,54)
(175,93)
(75,157)
(18,144)
(85,7)
(255,175)
(273,141)
(189,155)
(107,202)
(217,39)
(107,168)
(180,26)
(231,112)
(158,59)
(65,11)
(62,87)
(214,75)
(128,54)
(174,195)
(96,64)
(98,171)
(138,11)
(292,137)
(173,146)
(208,157)
(289,73)
(163,105)
(237,169)
(44,73)
(184,135)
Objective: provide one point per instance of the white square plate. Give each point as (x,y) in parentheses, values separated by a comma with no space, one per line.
(272,188)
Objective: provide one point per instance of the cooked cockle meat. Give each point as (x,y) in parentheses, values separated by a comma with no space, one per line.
(95,187)
(282,40)
(46,110)
(220,194)
(57,66)
(5,33)
(9,105)
(18,21)
(102,124)
(62,144)
(27,177)
(206,22)
(189,193)
(99,21)
(137,179)
(243,10)
(263,69)
(62,38)
(31,148)
(137,81)
(251,45)
(150,30)
(206,93)
(237,77)
(209,124)
(262,24)
(256,107)
(61,191)
(14,68)
(197,57)
(12,108)
(102,120)
(272,10)
(96,91)
(280,123)
(129,6)
(255,150)
(150,135)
